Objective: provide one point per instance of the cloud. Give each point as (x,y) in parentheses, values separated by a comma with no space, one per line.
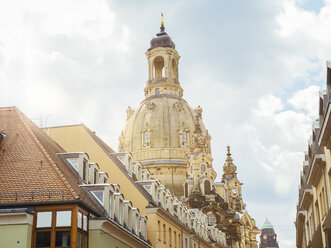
(306,100)
(254,66)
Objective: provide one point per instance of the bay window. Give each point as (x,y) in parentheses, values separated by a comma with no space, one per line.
(59,226)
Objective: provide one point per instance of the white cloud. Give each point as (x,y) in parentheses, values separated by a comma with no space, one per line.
(83,61)
(306,100)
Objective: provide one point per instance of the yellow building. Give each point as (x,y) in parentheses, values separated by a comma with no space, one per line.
(313,220)
(169,222)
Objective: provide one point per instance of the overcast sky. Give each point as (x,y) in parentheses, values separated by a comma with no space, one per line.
(255,67)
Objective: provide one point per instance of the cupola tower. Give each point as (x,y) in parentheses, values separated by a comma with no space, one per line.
(159,132)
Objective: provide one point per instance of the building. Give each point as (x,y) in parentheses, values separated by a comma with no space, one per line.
(164,164)
(158,132)
(313,219)
(268,237)
(169,139)
(169,222)
(51,198)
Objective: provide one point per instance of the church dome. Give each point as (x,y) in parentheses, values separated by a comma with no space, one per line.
(267,225)
(159,132)
(165,118)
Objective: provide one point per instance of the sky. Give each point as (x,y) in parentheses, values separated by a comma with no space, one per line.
(255,67)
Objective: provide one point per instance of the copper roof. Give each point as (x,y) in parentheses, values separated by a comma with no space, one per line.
(162,39)
(30,169)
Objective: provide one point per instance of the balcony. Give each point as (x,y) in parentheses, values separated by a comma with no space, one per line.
(316,159)
(305,196)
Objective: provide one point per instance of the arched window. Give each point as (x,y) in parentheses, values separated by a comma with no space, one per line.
(158,66)
(147,138)
(174,69)
(157,91)
(184,138)
(211,219)
(207,187)
(186,190)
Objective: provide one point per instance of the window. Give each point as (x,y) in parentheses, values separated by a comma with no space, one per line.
(147,138)
(44,219)
(318,212)
(129,219)
(137,224)
(170,240)
(63,218)
(164,234)
(157,91)
(98,195)
(74,162)
(158,66)
(207,187)
(159,229)
(53,227)
(95,176)
(84,170)
(179,240)
(110,204)
(184,138)
(175,239)
(120,209)
(82,230)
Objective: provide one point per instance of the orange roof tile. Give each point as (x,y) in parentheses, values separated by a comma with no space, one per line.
(30,169)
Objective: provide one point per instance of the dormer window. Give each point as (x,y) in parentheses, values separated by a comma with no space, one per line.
(74,162)
(111,199)
(147,138)
(84,170)
(120,211)
(95,176)
(99,195)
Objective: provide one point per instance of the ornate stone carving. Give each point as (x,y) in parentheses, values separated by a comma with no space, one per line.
(150,106)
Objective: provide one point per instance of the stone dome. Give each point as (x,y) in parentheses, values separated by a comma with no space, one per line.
(164,116)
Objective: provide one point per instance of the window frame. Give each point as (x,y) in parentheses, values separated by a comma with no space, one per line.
(73,228)
(146,138)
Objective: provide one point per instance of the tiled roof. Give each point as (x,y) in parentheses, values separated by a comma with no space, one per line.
(30,169)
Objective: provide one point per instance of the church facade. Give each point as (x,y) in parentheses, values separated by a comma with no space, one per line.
(169,139)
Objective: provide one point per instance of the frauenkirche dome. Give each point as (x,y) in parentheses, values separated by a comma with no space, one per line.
(158,133)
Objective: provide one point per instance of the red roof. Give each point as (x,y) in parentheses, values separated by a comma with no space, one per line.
(30,169)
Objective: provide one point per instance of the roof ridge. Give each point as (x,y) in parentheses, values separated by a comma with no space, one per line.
(104,144)
(59,173)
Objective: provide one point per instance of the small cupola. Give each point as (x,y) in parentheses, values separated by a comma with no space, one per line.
(162,66)
(162,39)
